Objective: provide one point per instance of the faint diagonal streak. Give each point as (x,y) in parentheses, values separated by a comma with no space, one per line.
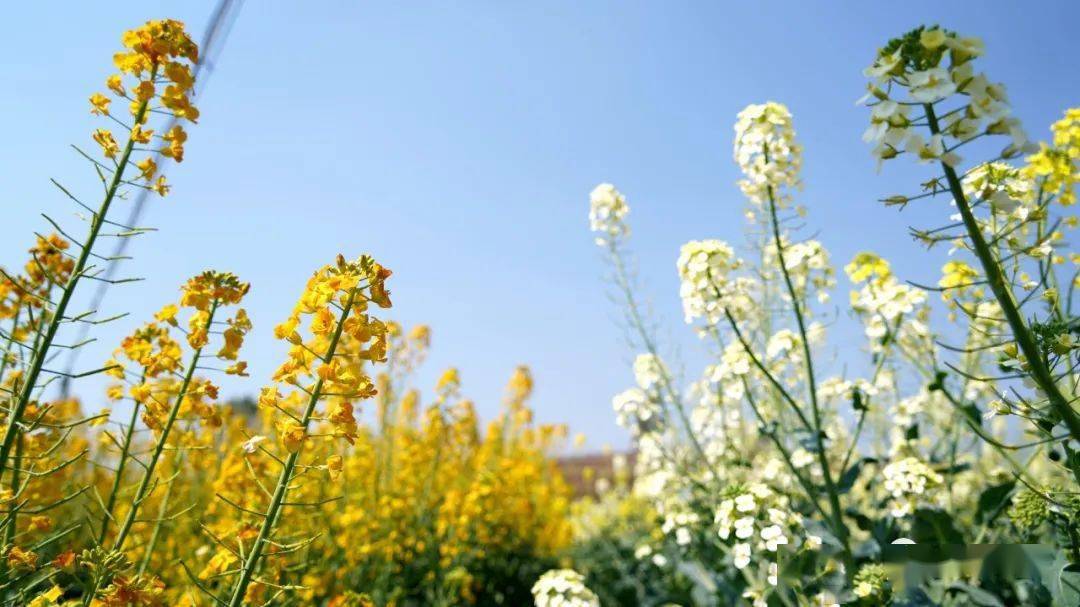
(213,41)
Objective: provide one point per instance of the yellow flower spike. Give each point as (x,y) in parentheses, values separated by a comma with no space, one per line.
(330,360)
(169,393)
(449,380)
(1059,165)
(521,384)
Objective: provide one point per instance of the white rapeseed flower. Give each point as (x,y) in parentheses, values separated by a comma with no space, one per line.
(563,588)
(607,214)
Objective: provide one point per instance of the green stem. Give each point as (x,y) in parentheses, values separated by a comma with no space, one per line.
(811,492)
(11,341)
(9,535)
(151,544)
(637,321)
(811,382)
(41,353)
(119,475)
(148,475)
(1039,372)
(278,498)
(144,489)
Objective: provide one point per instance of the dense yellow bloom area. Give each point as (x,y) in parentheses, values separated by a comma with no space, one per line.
(403,502)
(1059,164)
(337,486)
(424,505)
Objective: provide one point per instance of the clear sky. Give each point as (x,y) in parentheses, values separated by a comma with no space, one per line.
(457,142)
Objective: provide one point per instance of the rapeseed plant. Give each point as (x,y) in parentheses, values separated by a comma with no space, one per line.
(763,476)
(305,498)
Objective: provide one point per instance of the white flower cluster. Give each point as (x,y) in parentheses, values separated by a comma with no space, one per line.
(607,214)
(907,480)
(735,362)
(882,302)
(634,410)
(766,152)
(906,410)
(649,371)
(748,517)
(710,421)
(706,286)
(783,344)
(917,62)
(563,588)
(886,299)
(638,409)
(838,388)
(680,522)
(808,266)
(653,474)
(1003,188)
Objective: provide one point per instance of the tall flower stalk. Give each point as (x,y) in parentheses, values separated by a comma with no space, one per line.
(926,79)
(332,361)
(167,389)
(205,294)
(155,57)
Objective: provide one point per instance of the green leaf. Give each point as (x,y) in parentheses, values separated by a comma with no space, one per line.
(848,478)
(991,500)
(1067,586)
(977,595)
(934,527)
(973,414)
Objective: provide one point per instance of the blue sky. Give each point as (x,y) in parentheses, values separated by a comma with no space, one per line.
(457,142)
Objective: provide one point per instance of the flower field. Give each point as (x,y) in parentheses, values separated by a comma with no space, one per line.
(938,465)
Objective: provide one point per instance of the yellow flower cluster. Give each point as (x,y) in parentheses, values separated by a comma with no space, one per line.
(23,296)
(160,376)
(867,266)
(343,337)
(959,279)
(1059,164)
(157,66)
